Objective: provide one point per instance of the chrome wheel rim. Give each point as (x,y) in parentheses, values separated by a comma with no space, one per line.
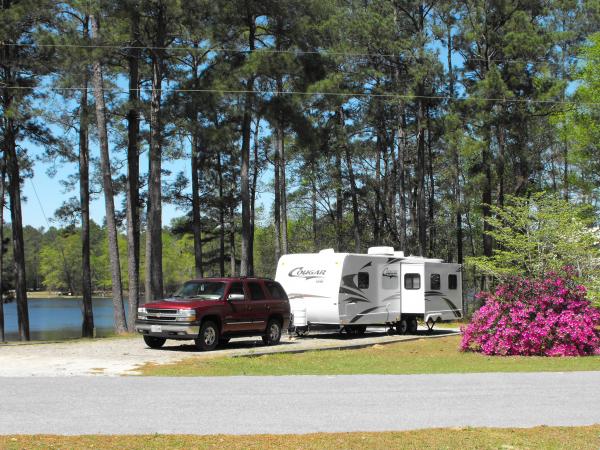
(210,336)
(274,334)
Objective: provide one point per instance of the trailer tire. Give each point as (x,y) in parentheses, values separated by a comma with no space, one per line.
(154,342)
(412,325)
(356,330)
(208,339)
(402,326)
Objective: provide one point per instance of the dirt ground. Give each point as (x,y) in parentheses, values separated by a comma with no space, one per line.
(121,356)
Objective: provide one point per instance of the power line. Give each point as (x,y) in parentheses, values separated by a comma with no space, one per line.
(269,51)
(330,94)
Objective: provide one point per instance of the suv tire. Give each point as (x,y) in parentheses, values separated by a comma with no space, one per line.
(154,342)
(273,334)
(208,339)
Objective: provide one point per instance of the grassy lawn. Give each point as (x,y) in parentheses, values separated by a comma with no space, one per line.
(421,356)
(468,438)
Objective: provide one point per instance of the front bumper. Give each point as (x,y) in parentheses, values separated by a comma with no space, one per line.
(167,330)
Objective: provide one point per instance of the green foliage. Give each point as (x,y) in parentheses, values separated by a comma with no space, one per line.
(540,234)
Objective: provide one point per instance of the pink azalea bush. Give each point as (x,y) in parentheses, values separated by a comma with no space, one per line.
(546,317)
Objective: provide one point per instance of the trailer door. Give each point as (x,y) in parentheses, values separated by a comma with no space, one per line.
(390,289)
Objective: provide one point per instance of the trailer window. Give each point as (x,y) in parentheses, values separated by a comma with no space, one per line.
(434,281)
(412,281)
(452,281)
(363,280)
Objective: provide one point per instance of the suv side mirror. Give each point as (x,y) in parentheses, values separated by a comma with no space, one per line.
(235,297)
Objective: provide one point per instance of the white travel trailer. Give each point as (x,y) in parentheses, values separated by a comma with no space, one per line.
(383,287)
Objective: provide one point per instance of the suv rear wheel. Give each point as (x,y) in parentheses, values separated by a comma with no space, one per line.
(154,342)
(208,339)
(273,335)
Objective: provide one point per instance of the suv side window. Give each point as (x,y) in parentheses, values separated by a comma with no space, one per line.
(275,290)
(256,291)
(236,288)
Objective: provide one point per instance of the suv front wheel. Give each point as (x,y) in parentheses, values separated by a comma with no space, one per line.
(273,335)
(208,339)
(154,342)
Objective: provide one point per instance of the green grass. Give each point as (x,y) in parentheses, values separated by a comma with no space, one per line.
(439,355)
(581,438)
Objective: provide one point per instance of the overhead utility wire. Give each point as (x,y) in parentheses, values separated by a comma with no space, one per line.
(262,50)
(339,94)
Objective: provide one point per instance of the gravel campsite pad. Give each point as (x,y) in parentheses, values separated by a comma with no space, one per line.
(121,356)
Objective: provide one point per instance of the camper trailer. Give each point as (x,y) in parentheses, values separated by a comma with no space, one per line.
(350,291)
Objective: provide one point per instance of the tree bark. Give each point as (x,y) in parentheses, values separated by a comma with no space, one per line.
(253,196)
(14,192)
(353,193)
(421,219)
(154,273)
(2,187)
(87,326)
(111,225)
(246,256)
(196,225)
(133,175)
(277,200)
(221,217)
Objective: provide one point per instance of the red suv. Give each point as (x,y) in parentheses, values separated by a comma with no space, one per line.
(212,310)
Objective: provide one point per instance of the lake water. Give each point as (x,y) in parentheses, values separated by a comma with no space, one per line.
(58,318)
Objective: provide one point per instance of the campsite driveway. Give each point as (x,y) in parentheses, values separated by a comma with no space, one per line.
(121,356)
(295,404)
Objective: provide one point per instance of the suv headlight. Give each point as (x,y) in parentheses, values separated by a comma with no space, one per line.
(186,315)
(141,313)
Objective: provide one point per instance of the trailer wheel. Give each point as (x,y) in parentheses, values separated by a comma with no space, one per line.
(412,325)
(402,326)
(355,330)
(301,331)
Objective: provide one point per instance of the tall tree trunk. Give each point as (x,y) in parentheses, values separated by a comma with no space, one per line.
(87,326)
(431,197)
(500,164)
(421,219)
(197,169)
(133,174)
(221,217)
(154,273)
(196,225)
(2,186)
(353,193)
(253,195)
(282,184)
(339,202)
(111,225)
(401,170)
(313,207)
(486,200)
(232,240)
(277,200)
(14,192)
(246,256)
(455,156)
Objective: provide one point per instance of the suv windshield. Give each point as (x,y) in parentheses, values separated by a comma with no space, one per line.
(206,290)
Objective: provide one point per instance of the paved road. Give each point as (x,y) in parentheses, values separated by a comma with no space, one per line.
(295,404)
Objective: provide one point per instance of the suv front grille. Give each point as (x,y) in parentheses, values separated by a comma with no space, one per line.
(161,311)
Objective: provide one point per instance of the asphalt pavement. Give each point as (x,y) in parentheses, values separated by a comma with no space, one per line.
(295,404)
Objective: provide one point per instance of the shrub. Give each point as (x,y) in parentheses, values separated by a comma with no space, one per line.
(544,317)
